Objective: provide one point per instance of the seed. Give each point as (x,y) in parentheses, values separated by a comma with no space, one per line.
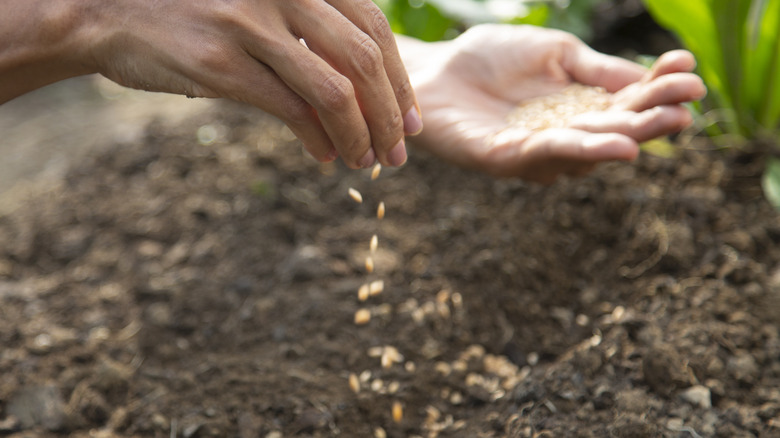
(362,316)
(376,287)
(390,355)
(398,412)
(365,376)
(380,433)
(355,195)
(393,387)
(410,367)
(375,172)
(369,264)
(374,243)
(457,300)
(377,385)
(364,292)
(380,211)
(443,296)
(375,351)
(354,383)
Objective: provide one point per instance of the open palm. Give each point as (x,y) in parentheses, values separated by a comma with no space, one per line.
(467,88)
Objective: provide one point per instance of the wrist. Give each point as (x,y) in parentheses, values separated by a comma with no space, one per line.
(41,42)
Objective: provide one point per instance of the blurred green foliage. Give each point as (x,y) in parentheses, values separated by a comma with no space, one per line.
(737,46)
(434,20)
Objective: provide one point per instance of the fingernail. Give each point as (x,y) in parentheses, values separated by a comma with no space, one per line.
(330,156)
(397,155)
(368,159)
(413,122)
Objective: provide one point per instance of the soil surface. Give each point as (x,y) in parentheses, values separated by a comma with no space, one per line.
(202,280)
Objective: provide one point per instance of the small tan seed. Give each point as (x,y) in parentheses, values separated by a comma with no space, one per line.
(354,383)
(380,211)
(398,412)
(364,292)
(375,171)
(376,287)
(374,243)
(362,316)
(380,433)
(369,264)
(355,195)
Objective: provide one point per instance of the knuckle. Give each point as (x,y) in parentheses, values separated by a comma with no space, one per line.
(367,56)
(404,93)
(395,124)
(378,25)
(336,93)
(297,112)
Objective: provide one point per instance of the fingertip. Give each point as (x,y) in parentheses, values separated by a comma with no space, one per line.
(413,124)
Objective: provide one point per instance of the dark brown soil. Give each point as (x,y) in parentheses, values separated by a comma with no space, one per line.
(168,288)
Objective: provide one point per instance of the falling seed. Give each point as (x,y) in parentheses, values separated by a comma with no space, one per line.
(364,292)
(386,361)
(362,316)
(354,383)
(369,264)
(380,211)
(410,367)
(355,195)
(443,296)
(380,433)
(376,287)
(365,376)
(377,385)
(375,351)
(398,412)
(374,243)
(375,171)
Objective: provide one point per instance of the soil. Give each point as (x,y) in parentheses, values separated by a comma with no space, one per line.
(177,287)
(198,277)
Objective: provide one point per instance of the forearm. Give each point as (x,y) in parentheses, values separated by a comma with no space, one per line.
(41,42)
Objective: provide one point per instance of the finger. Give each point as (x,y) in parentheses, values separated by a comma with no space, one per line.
(668,89)
(355,55)
(643,126)
(590,67)
(244,79)
(675,61)
(370,19)
(544,155)
(330,93)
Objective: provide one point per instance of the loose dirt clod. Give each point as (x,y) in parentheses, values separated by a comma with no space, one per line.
(556,110)
(355,195)
(380,211)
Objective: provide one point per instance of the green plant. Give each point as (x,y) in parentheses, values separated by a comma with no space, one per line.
(737,46)
(434,20)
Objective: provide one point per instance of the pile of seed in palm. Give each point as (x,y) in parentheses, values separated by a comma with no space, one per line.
(556,110)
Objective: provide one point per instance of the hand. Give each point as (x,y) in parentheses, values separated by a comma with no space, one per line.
(468,87)
(345,92)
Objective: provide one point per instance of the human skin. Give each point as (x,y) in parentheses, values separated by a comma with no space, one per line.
(467,87)
(344,93)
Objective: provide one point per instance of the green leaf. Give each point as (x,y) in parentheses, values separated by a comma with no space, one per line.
(771,182)
(694,24)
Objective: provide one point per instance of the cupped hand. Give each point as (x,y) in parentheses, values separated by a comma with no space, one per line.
(468,87)
(329,69)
